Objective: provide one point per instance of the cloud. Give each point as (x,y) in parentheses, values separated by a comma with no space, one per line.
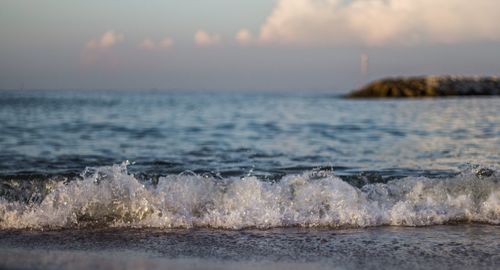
(381,22)
(97,51)
(166,43)
(149,44)
(244,37)
(107,40)
(202,38)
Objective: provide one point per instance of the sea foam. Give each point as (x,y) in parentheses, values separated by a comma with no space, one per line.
(109,196)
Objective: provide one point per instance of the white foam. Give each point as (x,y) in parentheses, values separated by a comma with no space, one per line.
(110,196)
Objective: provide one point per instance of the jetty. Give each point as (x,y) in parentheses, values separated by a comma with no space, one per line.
(429,86)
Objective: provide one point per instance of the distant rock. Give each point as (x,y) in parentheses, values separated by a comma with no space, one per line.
(429,86)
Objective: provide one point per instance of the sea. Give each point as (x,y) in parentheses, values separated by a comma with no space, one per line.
(247,180)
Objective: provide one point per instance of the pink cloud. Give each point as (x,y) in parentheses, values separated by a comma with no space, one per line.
(202,38)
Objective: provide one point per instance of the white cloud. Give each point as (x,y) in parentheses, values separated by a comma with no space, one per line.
(107,40)
(202,38)
(244,37)
(381,22)
(149,44)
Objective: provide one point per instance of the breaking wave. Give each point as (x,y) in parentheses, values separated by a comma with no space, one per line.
(111,197)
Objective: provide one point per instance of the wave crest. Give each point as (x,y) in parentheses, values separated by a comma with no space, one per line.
(111,197)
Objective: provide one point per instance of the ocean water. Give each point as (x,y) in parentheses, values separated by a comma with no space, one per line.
(196,180)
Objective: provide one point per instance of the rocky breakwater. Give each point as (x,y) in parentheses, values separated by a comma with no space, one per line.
(429,86)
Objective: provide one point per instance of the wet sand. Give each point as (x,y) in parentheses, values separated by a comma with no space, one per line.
(434,247)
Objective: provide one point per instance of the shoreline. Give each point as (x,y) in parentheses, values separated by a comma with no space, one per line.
(435,247)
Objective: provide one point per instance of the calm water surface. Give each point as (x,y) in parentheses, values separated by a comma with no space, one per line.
(239,133)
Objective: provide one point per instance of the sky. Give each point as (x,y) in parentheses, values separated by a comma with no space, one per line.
(324,45)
